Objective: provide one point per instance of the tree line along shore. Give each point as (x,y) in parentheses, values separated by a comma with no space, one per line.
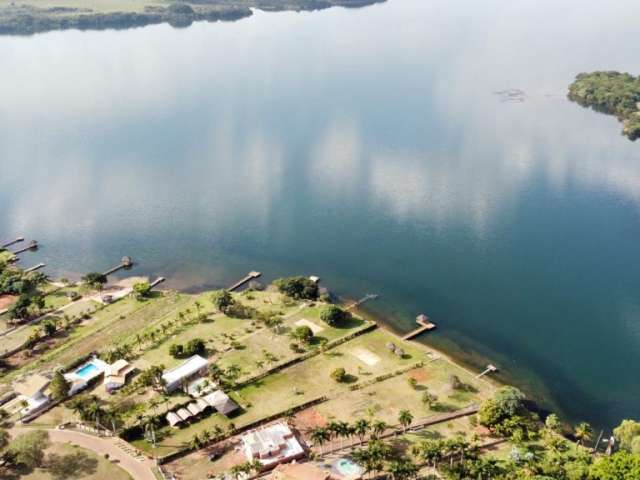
(281,354)
(612,93)
(28,17)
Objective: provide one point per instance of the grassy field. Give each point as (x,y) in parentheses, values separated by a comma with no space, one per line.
(76,463)
(103,6)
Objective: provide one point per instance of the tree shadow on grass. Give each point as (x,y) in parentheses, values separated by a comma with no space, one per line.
(443,407)
(73,465)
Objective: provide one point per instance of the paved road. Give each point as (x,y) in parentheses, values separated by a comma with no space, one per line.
(138,469)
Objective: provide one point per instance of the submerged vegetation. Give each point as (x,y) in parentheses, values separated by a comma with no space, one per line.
(612,93)
(28,17)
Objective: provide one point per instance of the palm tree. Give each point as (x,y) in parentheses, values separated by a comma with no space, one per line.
(333,429)
(431,452)
(343,431)
(378,428)
(583,432)
(195,443)
(206,437)
(217,431)
(405,418)
(402,469)
(149,423)
(319,436)
(360,428)
(94,410)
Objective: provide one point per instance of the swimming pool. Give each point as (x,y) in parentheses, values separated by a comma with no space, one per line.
(87,371)
(347,467)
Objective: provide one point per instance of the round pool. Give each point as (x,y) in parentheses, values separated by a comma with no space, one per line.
(348,467)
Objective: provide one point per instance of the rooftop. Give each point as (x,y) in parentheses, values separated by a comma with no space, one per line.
(187,368)
(272,445)
(32,385)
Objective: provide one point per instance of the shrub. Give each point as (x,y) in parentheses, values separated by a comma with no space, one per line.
(334,316)
(339,375)
(297,287)
(303,333)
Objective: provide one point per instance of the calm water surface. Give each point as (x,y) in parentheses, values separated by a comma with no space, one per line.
(365,146)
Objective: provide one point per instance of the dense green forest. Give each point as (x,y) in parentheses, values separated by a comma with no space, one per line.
(613,93)
(26,18)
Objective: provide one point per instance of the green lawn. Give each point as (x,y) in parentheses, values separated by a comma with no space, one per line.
(76,463)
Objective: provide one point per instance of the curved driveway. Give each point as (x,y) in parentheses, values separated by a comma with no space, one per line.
(138,469)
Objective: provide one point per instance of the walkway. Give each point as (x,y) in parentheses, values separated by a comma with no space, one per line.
(139,468)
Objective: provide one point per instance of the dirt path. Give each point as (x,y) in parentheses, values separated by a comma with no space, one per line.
(138,469)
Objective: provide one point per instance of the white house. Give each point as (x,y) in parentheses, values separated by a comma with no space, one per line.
(176,377)
(32,390)
(115,376)
(271,445)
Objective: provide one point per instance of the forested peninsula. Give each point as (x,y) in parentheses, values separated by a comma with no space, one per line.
(33,16)
(613,93)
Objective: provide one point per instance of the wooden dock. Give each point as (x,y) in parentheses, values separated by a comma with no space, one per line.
(12,242)
(157,282)
(34,268)
(490,369)
(246,279)
(33,245)
(366,298)
(126,262)
(425,326)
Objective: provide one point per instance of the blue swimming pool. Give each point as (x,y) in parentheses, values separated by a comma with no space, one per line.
(88,370)
(348,468)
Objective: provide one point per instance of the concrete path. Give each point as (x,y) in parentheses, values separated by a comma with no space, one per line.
(139,469)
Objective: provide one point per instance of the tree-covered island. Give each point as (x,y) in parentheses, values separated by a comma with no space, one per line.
(32,16)
(613,93)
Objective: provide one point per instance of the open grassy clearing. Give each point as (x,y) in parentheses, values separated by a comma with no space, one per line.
(79,463)
(384,400)
(311,379)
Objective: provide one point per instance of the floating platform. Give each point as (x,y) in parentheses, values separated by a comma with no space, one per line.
(246,279)
(425,326)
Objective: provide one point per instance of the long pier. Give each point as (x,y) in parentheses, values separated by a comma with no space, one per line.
(425,326)
(490,368)
(12,242)
(249,277)
(156,282)
(366,298)
(33,245)
(126,262)
(34,268)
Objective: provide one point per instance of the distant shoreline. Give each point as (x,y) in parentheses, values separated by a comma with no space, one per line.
(27,18)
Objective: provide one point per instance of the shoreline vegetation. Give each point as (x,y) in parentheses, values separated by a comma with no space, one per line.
(283,352)
(612,93)
(35,16)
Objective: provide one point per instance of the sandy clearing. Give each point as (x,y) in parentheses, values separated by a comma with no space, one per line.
(365,355)
(315,328)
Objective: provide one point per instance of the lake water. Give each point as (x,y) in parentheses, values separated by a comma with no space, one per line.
(367,147)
